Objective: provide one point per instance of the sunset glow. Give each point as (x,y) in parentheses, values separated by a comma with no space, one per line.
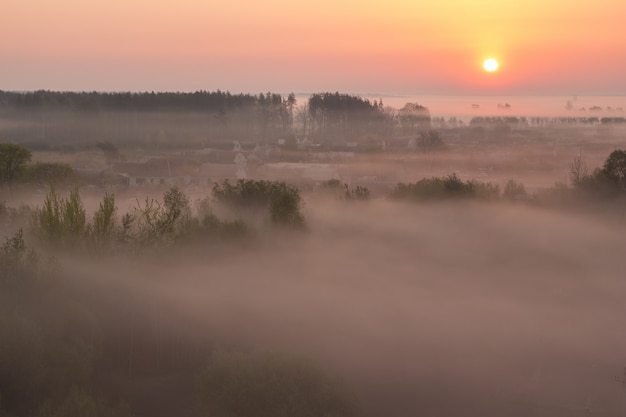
(399,47)
(490,65)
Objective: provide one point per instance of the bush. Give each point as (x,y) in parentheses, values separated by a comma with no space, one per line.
(50,173)
(61,220)
(614,169)
(101,230)
(605,183)
(514,191)
(430,141)
(358,193)
(15,258)
(155,223)
(435,188)
(280,200)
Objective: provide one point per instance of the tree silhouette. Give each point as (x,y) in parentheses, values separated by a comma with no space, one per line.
(13,159)
(614,168)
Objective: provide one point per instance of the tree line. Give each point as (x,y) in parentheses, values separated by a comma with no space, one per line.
(50,118)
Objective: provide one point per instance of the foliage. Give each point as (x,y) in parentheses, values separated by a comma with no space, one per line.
(614,169)
(359,193)
(157,223)
(237,384)
(74,218)
(430,141)
(101,230)
(61,220)
(604,183)
(437,188)
(15,257)
(47,221)
(345,116)
(340,190)
(514,191)
(282,201)
(578,171)
(13,159)
(413,117)
(50,173)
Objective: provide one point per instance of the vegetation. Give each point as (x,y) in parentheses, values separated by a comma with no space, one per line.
(50,173)
(16,258)
(433,189)
(336,188)
(514,191)
(329,118)
(281,201)
(335,115)
(13,159)
(430,140)
(61,220)
(64,351)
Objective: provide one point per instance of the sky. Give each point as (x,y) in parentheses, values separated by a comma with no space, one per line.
(357,46)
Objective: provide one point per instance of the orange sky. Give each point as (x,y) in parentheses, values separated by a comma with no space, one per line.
(384,46)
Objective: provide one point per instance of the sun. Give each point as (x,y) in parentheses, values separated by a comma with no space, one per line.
(490,65)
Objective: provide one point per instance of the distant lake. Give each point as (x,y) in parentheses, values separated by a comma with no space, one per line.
(466,107)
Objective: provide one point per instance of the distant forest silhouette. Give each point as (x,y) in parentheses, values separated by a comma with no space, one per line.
(195,118)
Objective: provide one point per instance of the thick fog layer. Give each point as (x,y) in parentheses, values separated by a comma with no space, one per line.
(454,309)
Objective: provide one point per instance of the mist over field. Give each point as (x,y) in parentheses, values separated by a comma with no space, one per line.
(275,260)
(466,309)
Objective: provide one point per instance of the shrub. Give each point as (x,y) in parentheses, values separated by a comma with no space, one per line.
(156,223)
(430,141)
(514,191)
(61,220)
(15,257)
(103,225)
(47,221)
(614,169)
(280,200)
(358,193)
(437,188)
(50,173)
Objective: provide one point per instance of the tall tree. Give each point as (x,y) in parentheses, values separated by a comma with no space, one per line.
(615,168)
(13,159)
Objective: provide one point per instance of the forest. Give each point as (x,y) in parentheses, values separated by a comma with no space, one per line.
(43,118)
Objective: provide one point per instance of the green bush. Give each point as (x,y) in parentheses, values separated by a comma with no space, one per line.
(436,188)
(61,220)
(50,173)
(101,230)
(281,201)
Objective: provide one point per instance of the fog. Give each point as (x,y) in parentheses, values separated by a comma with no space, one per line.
(474,306)
(455,309)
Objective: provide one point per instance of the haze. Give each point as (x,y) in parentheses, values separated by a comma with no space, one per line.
(552,47)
